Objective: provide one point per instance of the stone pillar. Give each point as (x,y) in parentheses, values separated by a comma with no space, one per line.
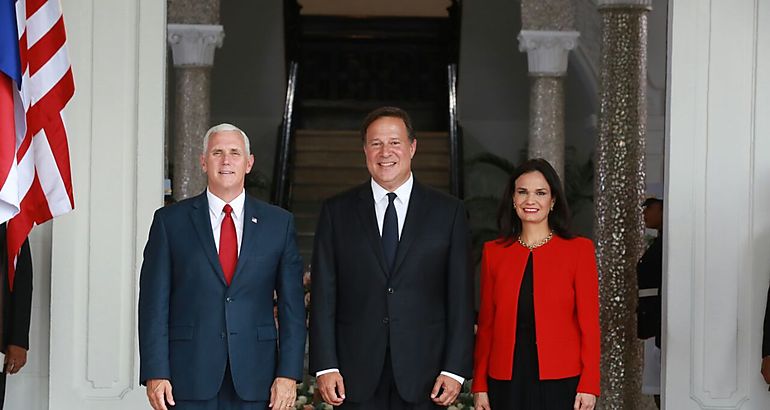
(547,55)
(619,191)
(192,46)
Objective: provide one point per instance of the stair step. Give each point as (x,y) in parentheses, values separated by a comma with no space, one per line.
(319,192)
(326,140)
(356,159)
(354,176)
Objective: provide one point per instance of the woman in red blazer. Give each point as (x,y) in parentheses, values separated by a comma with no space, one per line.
(537,345)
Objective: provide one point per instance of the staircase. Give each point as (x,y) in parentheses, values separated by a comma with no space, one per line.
(327,162)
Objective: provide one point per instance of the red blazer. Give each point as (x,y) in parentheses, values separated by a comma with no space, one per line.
(566,291)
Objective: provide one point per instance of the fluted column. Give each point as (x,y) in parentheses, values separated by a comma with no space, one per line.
(193,34)
(619,191)
(547,56)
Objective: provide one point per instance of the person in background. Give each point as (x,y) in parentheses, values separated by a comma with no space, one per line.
(538,341)
(649,273)
(17,309)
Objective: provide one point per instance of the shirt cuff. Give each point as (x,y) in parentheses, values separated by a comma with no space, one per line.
(459,379)
(320,372)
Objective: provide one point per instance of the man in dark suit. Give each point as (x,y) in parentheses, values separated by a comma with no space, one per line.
(211,266)
(17,308)
(391,323)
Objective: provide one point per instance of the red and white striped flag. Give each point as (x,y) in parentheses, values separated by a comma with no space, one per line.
(34,155)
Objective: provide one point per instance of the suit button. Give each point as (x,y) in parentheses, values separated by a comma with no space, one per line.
(222,335)
(229,300)
(386,320)
(390,291)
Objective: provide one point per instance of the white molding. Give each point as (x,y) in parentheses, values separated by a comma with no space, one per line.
(547,51)
(193,45)
(115,123)
(715,253)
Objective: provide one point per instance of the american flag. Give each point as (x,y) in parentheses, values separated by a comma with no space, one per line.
(35,86)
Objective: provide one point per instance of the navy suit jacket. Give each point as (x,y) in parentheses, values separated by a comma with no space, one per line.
(191,323)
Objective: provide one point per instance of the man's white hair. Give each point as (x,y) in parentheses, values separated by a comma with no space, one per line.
(222,128)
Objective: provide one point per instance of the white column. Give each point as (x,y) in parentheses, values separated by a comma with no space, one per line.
(717,243)
(547,56)
(547,51)
(115,125)
(193,45)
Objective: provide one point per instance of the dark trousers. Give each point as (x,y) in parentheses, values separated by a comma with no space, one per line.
(227,399)
(386,396)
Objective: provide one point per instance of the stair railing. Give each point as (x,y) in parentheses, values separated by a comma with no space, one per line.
(283,153)
(455,137)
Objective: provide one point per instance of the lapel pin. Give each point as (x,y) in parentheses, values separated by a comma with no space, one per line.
(254,220)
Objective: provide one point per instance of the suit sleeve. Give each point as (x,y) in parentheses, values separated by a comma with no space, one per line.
(21,300)
(154,300)
(460,314)
(323,297)
(587,300)
(766,328)
(484,332)
(291,309)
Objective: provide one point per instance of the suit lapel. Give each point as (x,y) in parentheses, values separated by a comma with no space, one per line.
(202,223)
(414,214)
(368,218)
(251,235)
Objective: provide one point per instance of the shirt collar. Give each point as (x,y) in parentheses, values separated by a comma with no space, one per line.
(402,193)
(216,204)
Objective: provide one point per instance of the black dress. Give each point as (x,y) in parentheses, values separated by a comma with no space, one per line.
(525,390)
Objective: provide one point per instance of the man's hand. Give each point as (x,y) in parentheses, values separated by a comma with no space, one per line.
(15,359)
(584,401)
(481,401)
(332,388)
(159,393)
(283,393)
(765,368)
(451,388)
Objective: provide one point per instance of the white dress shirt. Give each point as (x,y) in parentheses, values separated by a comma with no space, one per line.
(401,203)
(217,215)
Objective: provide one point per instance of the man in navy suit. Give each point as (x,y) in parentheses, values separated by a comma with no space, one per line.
(212,263)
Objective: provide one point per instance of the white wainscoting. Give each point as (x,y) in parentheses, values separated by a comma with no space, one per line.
(717,243)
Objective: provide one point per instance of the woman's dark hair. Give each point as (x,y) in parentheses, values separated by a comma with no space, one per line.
(508,222)
(393,112)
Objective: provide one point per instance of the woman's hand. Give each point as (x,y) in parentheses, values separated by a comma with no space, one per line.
(584,401)
(481,401)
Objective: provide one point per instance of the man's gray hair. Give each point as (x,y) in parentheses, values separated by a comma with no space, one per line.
(222,128)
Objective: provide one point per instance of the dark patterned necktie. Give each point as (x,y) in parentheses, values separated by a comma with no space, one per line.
(390,233)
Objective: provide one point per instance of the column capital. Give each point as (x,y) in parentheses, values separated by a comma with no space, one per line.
(547,51)
(642,4)
(194,44)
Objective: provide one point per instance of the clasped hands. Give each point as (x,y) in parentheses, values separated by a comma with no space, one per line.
(283,393)
(332,388)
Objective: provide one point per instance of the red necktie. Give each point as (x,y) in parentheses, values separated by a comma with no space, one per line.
(228,245)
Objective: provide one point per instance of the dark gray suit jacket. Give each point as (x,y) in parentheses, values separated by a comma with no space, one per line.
(422,311)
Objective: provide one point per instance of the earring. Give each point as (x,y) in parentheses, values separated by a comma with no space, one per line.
(551,207)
